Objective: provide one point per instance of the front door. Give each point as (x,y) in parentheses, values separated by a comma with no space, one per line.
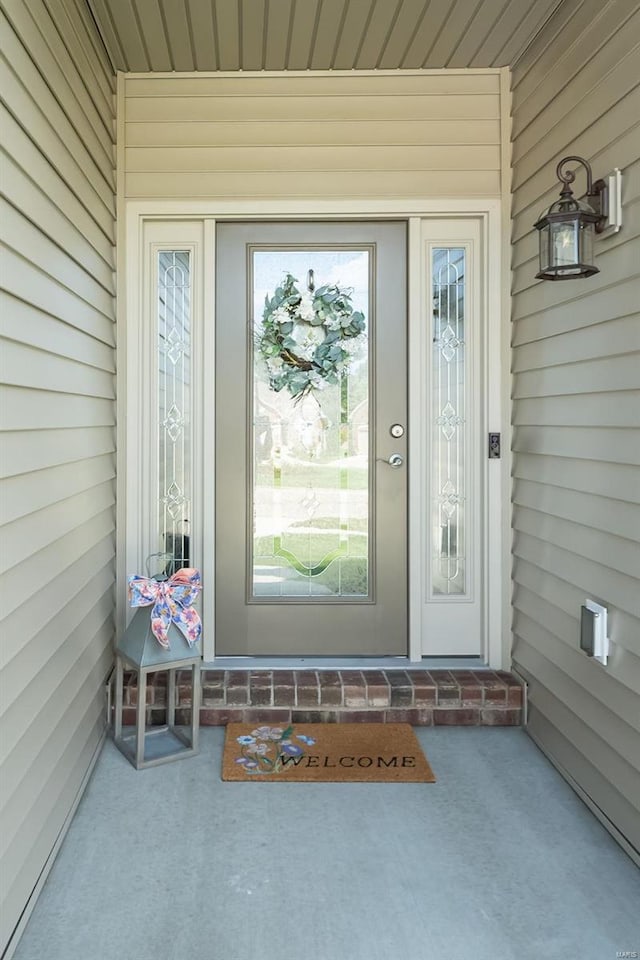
(311,421)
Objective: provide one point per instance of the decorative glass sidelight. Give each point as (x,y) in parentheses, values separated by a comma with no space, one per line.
(448,429)
(310,389)
(174,407)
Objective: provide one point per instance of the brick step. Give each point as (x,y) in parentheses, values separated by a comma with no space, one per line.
(419,697)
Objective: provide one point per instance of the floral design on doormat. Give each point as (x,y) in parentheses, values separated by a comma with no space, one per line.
(265,748)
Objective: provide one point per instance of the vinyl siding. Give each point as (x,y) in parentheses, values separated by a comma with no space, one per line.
(57,416)
(342,135)
(576,410)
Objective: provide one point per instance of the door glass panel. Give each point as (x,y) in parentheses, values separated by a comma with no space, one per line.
(174,407)
(310,392)
(448,430)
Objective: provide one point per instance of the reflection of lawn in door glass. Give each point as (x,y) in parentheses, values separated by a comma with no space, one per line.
(347,576)
(323,475)
(314,543)
(312,548)
(333,523)
(344,576)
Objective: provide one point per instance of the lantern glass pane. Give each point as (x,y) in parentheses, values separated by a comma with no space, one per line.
(174,407)
(545,248)
(587,235)
(448,423)
(564,243)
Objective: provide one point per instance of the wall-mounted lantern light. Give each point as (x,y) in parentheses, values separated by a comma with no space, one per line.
(567,230)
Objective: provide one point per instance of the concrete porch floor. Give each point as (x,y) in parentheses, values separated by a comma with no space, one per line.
(498,860)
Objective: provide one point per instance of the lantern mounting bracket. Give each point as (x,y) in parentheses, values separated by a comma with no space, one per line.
(597,193)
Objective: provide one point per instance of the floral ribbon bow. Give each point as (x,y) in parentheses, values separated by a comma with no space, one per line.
(171,601)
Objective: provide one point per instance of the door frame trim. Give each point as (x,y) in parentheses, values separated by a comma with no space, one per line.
(132,420)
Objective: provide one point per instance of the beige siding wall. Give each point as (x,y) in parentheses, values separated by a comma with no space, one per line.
(341,135)
(576,409)
(57,417)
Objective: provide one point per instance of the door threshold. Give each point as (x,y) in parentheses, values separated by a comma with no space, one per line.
(345,663)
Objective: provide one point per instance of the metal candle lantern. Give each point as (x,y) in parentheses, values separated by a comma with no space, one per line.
(168,640)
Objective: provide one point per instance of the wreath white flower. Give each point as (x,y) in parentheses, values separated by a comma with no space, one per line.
(303,336)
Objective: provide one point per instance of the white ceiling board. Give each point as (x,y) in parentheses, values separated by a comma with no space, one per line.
(227,27)
(379,28)
(426,34)
(328,30)
(151,15)
(409,19)
(353,30)
(501,32)
(109,32)
(123,15)
(302,30)
(537,15)
(455,28)
(211,35)
(476,32)
(178,29)
(205,49)
(253,34)
(277,30)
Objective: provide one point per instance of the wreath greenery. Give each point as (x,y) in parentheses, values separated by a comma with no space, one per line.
(303,336)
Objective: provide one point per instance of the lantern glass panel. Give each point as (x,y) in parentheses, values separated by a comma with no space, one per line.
(586,242)
(565,245)
(545,247)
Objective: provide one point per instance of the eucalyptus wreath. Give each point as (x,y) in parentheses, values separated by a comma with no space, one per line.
(304,336)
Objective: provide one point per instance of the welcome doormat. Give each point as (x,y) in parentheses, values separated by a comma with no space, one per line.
(317,752)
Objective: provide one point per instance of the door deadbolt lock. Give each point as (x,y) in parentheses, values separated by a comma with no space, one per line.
(396,430)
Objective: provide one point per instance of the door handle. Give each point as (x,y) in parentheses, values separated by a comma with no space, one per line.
(395,460)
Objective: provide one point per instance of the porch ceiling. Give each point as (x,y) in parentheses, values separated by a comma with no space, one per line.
(184,35)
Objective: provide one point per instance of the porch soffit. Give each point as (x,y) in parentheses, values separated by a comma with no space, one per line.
(227,35)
